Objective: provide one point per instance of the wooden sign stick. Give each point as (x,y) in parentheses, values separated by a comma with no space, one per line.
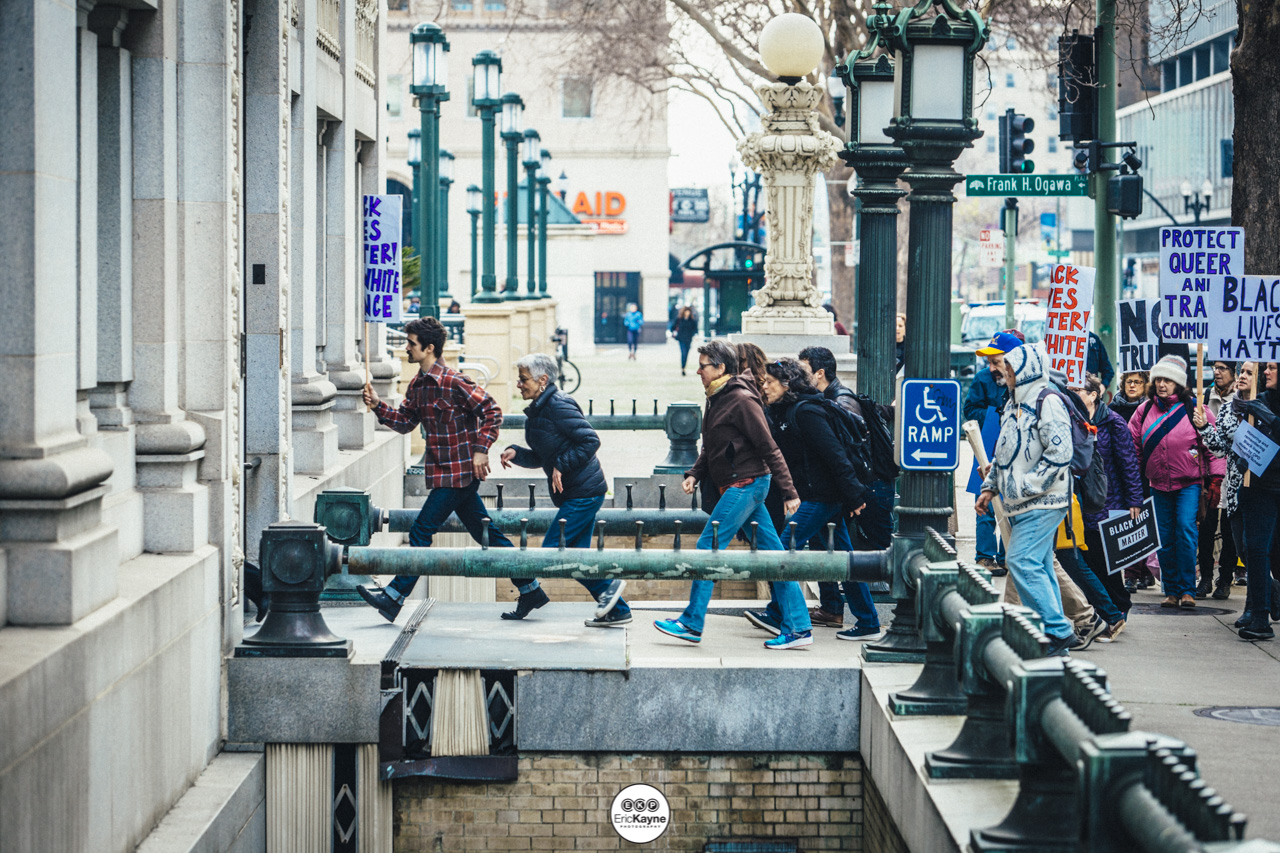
(1200,378)
(973,433)
(366,352)
(1258,367)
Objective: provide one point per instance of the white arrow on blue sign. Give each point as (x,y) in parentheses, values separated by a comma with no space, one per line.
(929,425)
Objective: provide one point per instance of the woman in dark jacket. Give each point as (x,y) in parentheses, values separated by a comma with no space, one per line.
(801,421)
(683,328)
(564,446)
(1124,492)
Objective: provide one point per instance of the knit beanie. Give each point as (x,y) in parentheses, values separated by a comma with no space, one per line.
(1171,367)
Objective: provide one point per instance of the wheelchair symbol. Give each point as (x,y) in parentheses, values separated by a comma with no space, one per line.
(929,406)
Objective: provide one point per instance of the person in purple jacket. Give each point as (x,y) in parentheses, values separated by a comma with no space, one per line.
(1124,492)
(1173,460)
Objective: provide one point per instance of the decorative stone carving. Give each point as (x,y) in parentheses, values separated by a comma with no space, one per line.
(788,153)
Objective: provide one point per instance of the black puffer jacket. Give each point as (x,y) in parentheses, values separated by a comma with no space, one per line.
(560,437)
(819,466)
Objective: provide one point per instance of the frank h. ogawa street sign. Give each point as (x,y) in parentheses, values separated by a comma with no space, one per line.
(929,425)
(1019,185)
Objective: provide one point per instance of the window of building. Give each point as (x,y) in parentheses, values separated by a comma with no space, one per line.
(461,5)
(1011,43)
(495,5)
(1186,69)
(398,5)
(575,97)
(1221,54)
(1053,112)
(1053,144)
(1008,80)
(991,115)
(395,95)
(991,144)
(1202,62)
(471,99)
(1168,75)
(1053,82)
(1228,158)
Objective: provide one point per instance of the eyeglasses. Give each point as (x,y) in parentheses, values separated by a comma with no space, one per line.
(702,365)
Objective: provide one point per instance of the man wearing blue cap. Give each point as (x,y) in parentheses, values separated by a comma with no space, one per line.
(983,403)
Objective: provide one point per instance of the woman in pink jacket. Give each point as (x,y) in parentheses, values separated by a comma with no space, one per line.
(1175,464)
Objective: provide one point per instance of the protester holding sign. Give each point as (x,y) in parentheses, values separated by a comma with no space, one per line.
(1214,520)
(1217,440)
(1066,337)
(1124,492)
(1172,460)
(1259,503)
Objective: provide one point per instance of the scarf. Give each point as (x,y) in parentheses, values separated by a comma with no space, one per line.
(717,384)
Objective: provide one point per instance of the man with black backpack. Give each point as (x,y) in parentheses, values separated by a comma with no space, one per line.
(872,529)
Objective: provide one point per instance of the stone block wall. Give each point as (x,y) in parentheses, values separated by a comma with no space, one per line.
(561,802)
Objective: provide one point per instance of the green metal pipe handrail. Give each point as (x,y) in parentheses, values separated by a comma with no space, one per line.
(618,522)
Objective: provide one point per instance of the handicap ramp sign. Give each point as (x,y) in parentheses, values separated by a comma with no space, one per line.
(929,425)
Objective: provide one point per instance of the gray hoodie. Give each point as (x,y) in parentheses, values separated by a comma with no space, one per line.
(1031,467)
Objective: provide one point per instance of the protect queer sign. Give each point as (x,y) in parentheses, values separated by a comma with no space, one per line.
(381,250)
(1066,336)
(1244,318)
(1192,262)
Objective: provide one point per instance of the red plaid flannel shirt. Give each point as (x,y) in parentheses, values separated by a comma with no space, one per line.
(458,417)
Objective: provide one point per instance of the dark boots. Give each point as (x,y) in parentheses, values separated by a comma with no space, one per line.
(527,603)
(381,602)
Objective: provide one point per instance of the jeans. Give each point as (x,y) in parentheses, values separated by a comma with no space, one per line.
(1259,510)
(989,545)
(870,530)
(1215,525)
(440,504)
(633,338)
(1176,521)
(580,516)
(811,521)
(1113,582)
(1090,584)
(738,507)
(1030,561)
(684,352)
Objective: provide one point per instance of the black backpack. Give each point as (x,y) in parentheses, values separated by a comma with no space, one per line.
(851,431)
(1086,466)
(879,435)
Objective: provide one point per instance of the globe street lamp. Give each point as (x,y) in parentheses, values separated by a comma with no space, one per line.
(446,181)
(532,158)
(544,198)
(415,165)
(512,134)
(1197,207)
(487,100)
(430,79)
(474,203)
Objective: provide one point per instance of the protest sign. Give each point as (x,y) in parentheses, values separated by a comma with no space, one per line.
(1244,318)
(381,250)
(1066,336)
(1253,446)
(1192,262)
(1139,334)
(1126,540)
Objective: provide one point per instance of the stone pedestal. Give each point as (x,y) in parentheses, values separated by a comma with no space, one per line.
(353,419)
(489,343)
(520,343)
(789,346)
(314,437)
(175,504)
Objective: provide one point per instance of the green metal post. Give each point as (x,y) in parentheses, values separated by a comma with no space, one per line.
(442,233)
(1104,223)
(1010,223)
(512,288)
(488,279)
(475,273)
(417,177)
(531,229)
(544,184)
(428,199)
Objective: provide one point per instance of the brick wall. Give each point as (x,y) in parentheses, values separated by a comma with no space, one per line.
(880,831)
(561,802)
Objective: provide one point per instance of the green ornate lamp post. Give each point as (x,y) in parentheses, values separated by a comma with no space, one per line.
(442,233)
(474,203)
(415,165)
(932,123)
(544,194)
(485,96)
(512,135)
(430,79)
(532,160)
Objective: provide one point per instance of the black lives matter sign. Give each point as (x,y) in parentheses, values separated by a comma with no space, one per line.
(1126,540)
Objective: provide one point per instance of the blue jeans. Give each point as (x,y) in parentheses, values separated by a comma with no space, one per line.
(684,352)
(737,508)
(580,516)
(1030,561)
(633,338)
(811,525)
(440,504)
(869,530)
(1259,510)
(1090,584)
(1176,521)
(988,545)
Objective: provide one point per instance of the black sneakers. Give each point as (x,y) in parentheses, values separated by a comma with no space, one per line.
(1060,647)
(612,619)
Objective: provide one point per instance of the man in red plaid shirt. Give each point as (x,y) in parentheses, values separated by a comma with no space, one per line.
(461,423)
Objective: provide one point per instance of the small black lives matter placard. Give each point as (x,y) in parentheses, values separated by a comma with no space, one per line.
(1126,540)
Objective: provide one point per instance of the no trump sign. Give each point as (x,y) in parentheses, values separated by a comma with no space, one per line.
(381,249)
(1066,336)
(1194,262)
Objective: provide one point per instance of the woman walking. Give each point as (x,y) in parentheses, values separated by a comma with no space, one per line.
(1172,459)
(1124,492)
(633,321)
(683,328)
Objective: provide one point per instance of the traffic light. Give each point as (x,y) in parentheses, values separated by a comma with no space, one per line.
(1014,144)
(1077,87)
(1124,195)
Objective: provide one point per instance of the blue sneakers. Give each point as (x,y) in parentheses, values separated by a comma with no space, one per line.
(790,641)
(761,619)
(674,628)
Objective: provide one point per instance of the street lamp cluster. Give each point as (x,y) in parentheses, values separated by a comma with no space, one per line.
(432,170)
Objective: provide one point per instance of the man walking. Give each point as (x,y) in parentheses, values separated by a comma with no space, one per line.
(461,423)
(984,402)
(739,458)
(1031,471)
(872,528)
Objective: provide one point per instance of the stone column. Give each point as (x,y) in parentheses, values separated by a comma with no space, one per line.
(489,335)
(87,216)
(267,337)
(788,153)
(61,558)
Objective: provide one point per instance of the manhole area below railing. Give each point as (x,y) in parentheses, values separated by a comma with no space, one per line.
(1198,610)
(1250,714)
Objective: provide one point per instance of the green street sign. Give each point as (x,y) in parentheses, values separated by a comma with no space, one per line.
(1020,185)
(1055,253)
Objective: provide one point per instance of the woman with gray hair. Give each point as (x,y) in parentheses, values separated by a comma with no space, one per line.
(563,445)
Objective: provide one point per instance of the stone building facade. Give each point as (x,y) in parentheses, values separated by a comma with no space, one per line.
(183,356)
